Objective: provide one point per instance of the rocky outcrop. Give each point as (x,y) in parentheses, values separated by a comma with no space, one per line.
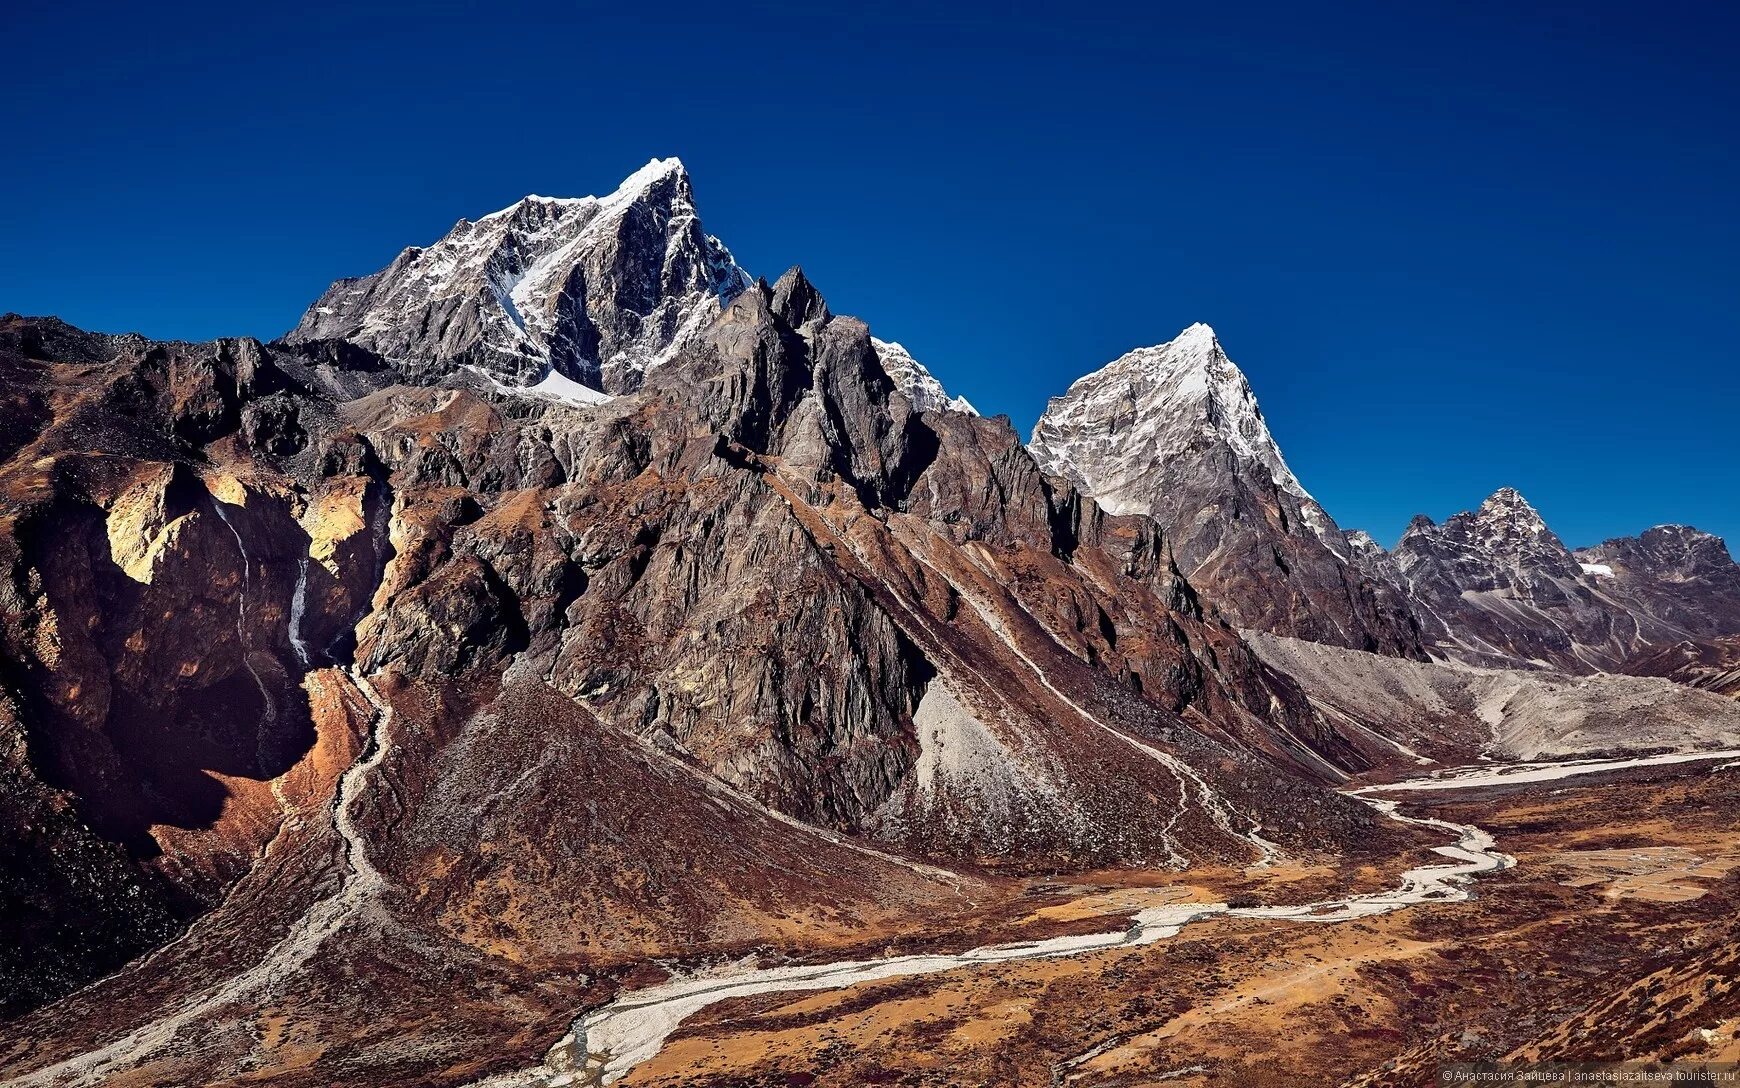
(1174,431)
(599,289)
(1681,578)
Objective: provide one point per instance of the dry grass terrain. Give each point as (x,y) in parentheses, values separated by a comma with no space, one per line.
(1613,937)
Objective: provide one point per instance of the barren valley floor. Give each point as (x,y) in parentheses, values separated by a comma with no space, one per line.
(1613,937)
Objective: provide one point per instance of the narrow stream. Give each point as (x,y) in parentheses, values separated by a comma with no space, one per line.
(605,1044)
(298,607)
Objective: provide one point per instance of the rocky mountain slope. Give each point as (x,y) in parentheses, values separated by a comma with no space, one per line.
(468,679)
(1711,664)
(1682,578)
(1174,432)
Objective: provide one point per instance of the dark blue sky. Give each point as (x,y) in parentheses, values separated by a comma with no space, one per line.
(1454,246)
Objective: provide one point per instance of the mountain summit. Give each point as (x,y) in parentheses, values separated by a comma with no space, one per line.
(1175,432)
(553,291)
(597,289)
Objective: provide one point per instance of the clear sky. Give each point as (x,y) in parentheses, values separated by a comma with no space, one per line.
(1455,246)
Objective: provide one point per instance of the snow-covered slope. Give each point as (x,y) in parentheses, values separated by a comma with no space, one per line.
(915,380)
(1174,431)
(598,289)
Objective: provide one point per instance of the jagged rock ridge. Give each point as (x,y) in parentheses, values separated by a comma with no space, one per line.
(1682,577)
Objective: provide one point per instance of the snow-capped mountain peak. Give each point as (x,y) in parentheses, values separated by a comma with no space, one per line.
(600,289)
(915,380)
(632,186)
(1506,523)
(596,291)
(1508,503)
(1150,404)
(1174,431)
(1198,336)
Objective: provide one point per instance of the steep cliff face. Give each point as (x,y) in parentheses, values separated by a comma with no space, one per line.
(161,604)
(1175,432)
(598,289)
